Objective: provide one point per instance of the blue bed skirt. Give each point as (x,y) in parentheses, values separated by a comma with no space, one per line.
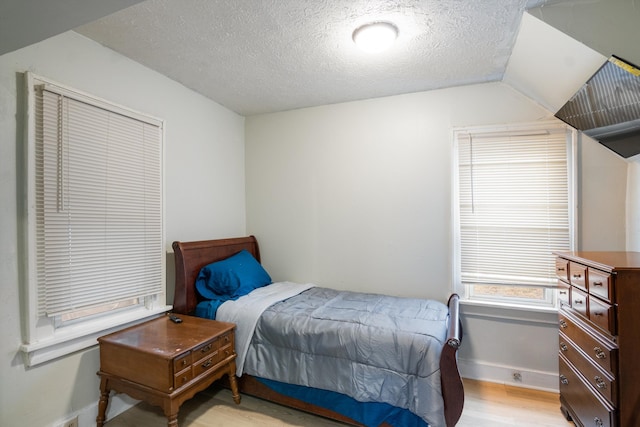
(370,414)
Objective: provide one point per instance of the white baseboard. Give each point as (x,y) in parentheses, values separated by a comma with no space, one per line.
(118,403)
(503,374)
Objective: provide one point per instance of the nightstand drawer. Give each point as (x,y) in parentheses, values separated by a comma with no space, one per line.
(226,351)
(182,361)
(205,349)
(205,364)
(181,378)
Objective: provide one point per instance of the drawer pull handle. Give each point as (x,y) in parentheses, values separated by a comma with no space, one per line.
(184,379)
(598,422)
(575,276)
(184,362)
(563,292)
(563,324)
(560,268)
(207,363)
(564,380)
(599,313)
(597,283)
(206,348)
(563,347)
(600,383)
(578,301)
(599,353)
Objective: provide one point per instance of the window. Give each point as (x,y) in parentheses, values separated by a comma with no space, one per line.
(95,232)
(514,207)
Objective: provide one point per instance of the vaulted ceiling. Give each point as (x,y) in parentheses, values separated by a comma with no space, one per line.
(259,56)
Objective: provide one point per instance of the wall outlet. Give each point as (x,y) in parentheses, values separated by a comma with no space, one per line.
(73,422)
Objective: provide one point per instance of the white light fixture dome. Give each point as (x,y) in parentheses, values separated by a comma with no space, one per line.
(375,36)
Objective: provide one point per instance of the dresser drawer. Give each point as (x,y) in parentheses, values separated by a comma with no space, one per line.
(604,383)
(602,314)
(562,269)
(600,284)
(564,293)
(579,301)
(588,406)
(600,351)
(578,275)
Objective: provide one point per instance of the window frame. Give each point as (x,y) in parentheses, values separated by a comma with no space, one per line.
(46,338)
(549,301)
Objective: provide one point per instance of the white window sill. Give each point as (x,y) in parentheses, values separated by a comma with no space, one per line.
(495,310)
(80,337)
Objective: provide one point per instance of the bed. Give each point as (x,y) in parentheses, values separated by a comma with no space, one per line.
(353,406)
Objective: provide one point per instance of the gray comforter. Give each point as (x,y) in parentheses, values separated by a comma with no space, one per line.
(370,347)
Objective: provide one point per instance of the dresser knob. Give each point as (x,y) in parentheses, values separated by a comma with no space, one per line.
(564,380)
(563,324)
(597,422)
(563,347)
(599,353)
(600,383)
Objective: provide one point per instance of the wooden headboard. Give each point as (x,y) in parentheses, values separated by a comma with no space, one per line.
(190,257)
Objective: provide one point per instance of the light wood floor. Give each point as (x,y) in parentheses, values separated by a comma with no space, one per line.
(486,404)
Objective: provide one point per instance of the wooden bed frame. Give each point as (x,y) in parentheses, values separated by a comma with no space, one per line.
(190,257)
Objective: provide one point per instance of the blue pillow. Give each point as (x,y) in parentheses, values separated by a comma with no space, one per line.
(232,277)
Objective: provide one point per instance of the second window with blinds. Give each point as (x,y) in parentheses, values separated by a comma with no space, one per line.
(514,205)
(95,233)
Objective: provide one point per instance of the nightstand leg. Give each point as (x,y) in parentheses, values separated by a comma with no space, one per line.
(172,420)
(233,382)
(103,402)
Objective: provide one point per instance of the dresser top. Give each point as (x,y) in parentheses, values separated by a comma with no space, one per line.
(605,260)
(165,338)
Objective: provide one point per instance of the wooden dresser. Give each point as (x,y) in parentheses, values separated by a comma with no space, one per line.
(165,363)
(599,339)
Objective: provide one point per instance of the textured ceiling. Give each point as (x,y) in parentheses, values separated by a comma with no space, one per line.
(258,57)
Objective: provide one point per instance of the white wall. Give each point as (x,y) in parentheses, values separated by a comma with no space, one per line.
(204,199)
(358,196)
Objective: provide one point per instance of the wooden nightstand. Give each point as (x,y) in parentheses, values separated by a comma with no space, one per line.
(166,363)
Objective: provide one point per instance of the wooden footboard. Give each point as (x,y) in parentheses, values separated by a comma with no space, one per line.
(190,257)
(451,382)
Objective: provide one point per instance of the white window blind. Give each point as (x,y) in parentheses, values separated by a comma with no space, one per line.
(99,226)
(514,205)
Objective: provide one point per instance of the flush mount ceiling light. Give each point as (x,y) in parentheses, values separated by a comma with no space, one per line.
(375,36)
